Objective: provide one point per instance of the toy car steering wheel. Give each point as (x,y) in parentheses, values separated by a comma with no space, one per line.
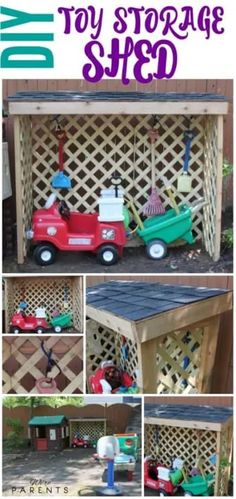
(64,210)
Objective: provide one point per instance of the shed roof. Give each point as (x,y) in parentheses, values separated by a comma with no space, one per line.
(134,300)
(46,420)
(204,413)
(124,103)
(67,95)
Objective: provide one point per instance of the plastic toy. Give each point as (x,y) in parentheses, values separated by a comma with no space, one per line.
(108,449)
(199,485)
(128,443)
(82,442)
(61,180)
(39,322)
(57,228)
(110,379)
(162,479)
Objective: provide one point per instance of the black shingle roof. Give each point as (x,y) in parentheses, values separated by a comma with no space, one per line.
(204,413)
(139,300)
(116,96)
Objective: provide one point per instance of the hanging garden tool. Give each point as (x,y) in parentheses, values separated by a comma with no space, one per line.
(154,205)
(61,180)
(48,384)
(185,179)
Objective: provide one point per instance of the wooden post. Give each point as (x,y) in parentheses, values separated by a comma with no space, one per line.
(19,206)
(220,128)
(208,351)
(218,458)
(148,366)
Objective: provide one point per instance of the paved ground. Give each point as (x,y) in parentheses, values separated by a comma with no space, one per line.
(185,259)
(74,469)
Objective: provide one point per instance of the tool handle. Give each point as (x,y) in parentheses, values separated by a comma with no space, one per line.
(188,137)
(61,135)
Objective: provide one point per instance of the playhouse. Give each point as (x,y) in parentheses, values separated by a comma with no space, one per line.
(164,336)
(49,433)
(191,433)
(107,133)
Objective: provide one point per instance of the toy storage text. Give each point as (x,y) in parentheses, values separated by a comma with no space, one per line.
(134,26)
(19,49)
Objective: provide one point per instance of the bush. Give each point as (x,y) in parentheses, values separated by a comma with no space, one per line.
(14,439)
(227,168)
(228,238)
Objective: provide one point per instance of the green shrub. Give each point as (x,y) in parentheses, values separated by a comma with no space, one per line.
(227,168)
(228,238)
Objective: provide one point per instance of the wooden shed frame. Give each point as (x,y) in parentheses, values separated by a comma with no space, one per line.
(156,344)
(91,426)
(188,438)
(30,361)
(49,290)
(107,134)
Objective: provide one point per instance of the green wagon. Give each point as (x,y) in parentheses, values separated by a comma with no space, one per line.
(61,321)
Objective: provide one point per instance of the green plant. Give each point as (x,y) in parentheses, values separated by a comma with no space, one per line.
(227,168)
(228,238)
(14,439)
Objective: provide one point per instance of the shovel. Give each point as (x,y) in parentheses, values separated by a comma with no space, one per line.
(61,180)
(185,180)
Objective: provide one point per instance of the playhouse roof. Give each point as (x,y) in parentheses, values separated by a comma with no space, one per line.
(180,415)
(138,300)
(68,102)
(46,420)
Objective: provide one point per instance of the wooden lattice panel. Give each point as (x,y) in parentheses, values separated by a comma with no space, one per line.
(63,294)
(94,429)
(24,363)
(104,344)
(97,146)
(178,360)
(164,442)
(24,176)
(210,183)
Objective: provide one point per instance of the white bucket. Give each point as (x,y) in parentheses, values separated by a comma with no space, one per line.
(111,209)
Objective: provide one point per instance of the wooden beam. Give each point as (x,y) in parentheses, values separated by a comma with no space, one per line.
(148,366)
(19,206)
(114,322)
(195,425)
(220,145)
(207,355)
(217,466)
(121,107)
(177,319)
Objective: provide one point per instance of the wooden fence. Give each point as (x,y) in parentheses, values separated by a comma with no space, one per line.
(223,369)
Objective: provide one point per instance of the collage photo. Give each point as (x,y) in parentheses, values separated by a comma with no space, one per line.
(117,288)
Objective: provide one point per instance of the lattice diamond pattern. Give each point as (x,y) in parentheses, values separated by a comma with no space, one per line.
(165,442)
(94,429)
(178,360)
(105,344)
(23,357)
(98,145)
(53,292)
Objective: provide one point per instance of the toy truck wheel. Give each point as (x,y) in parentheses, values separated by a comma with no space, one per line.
(188,494)
(107,255)
(39,330)
(156,249)
(57,329)
(162,493)
(45,254)
(15,330)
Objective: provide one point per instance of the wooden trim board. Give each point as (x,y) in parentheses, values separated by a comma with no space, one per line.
(185,316)
(116,323)
(195,425)
(113,107)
